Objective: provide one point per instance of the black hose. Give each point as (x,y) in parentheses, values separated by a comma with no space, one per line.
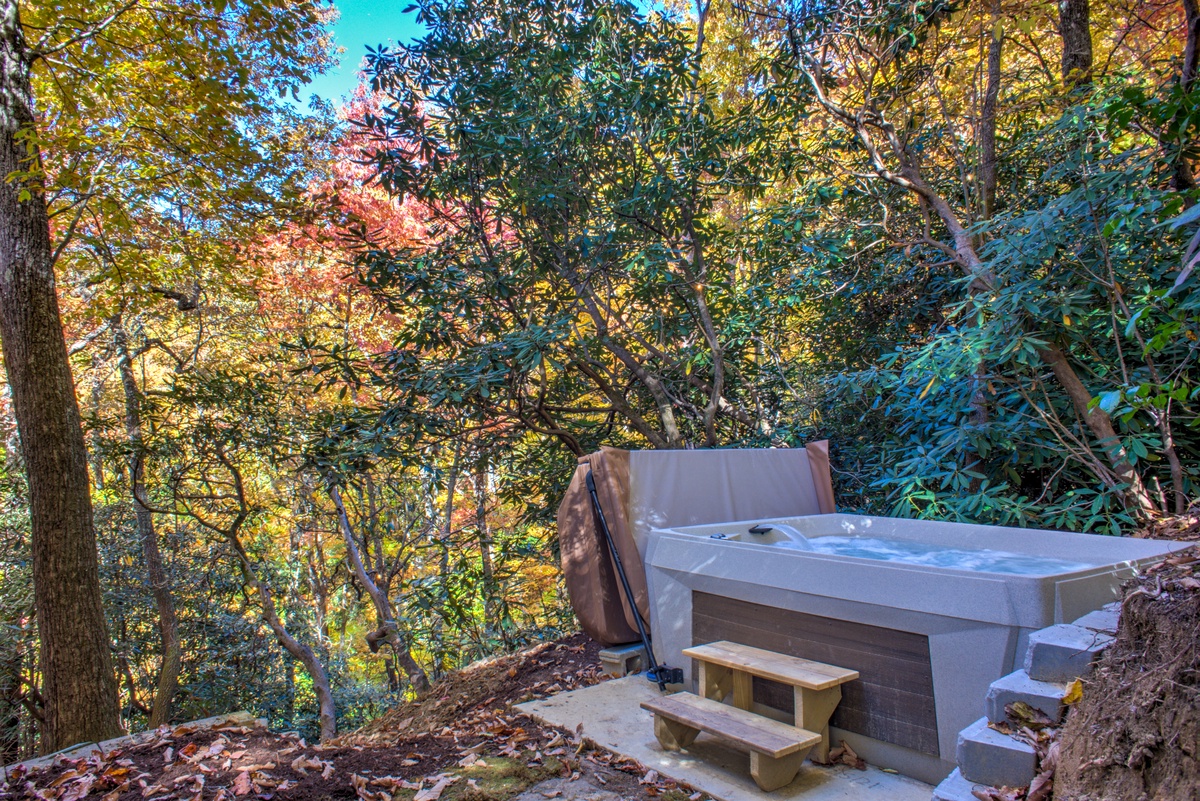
(655,671)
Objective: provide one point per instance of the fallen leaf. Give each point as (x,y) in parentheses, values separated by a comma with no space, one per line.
(1074,693)
(435,792)
(1026,716)
(1042,785)
(79,788)
(241,784)
(1050,758)
(650,778)
(302,764)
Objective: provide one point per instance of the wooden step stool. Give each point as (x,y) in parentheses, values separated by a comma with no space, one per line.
(817,687)
(776,749)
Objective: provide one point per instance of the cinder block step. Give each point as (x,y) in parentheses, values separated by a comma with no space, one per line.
(621,660)
(989,757)
(1063,653)
(955,788)
(1103,619)
(1017,686)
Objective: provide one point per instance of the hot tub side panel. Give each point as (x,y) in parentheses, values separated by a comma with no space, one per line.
(893,698)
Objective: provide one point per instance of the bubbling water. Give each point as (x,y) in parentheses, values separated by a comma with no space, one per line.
(982,560)
(798,541)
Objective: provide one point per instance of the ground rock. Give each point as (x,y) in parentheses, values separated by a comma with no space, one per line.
(567,790)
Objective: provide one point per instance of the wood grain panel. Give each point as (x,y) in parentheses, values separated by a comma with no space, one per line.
(891,701)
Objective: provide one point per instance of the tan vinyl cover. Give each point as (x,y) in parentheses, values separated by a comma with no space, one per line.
(592,583)
(641,490)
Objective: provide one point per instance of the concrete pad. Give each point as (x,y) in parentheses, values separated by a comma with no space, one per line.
(611,718)
(956,788)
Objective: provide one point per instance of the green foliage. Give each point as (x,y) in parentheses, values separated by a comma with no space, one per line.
(1084,258)
(579,284)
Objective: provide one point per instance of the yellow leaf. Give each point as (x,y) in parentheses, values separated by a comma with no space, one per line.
(928,387)
(1074,693)
(1066,319)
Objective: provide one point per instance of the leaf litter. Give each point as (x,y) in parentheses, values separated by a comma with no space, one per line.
(462,742)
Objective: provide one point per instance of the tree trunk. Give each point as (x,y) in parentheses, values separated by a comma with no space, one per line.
(289,698)
(987,121)
(487,569)
(1075,28)
(389,630)
(1099,423)
(160,585)
(322,687)
(1183,178)
(79,685)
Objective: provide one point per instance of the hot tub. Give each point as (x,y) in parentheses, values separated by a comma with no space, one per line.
(929,613)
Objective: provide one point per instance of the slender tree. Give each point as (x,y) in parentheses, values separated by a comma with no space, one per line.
(156,573)
(79,686)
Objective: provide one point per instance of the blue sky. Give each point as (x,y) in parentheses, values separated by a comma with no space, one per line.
(362,23)
(372,22)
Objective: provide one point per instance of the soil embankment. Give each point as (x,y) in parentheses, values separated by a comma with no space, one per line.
(1135,735)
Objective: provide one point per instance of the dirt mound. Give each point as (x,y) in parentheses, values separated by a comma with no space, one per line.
(460,743)
(484,687)
(1135,735)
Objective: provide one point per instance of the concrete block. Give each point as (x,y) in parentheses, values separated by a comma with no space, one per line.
(989,757)
(1064,652)
(955,788)
(1104,619)
(1043,695)
(621,660)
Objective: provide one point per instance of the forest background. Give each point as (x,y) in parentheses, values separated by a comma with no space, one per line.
(330,367)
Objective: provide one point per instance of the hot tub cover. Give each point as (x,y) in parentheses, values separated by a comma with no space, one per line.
(641,490)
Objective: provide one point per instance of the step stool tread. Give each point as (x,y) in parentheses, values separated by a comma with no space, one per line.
(771,665)
(751,731)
